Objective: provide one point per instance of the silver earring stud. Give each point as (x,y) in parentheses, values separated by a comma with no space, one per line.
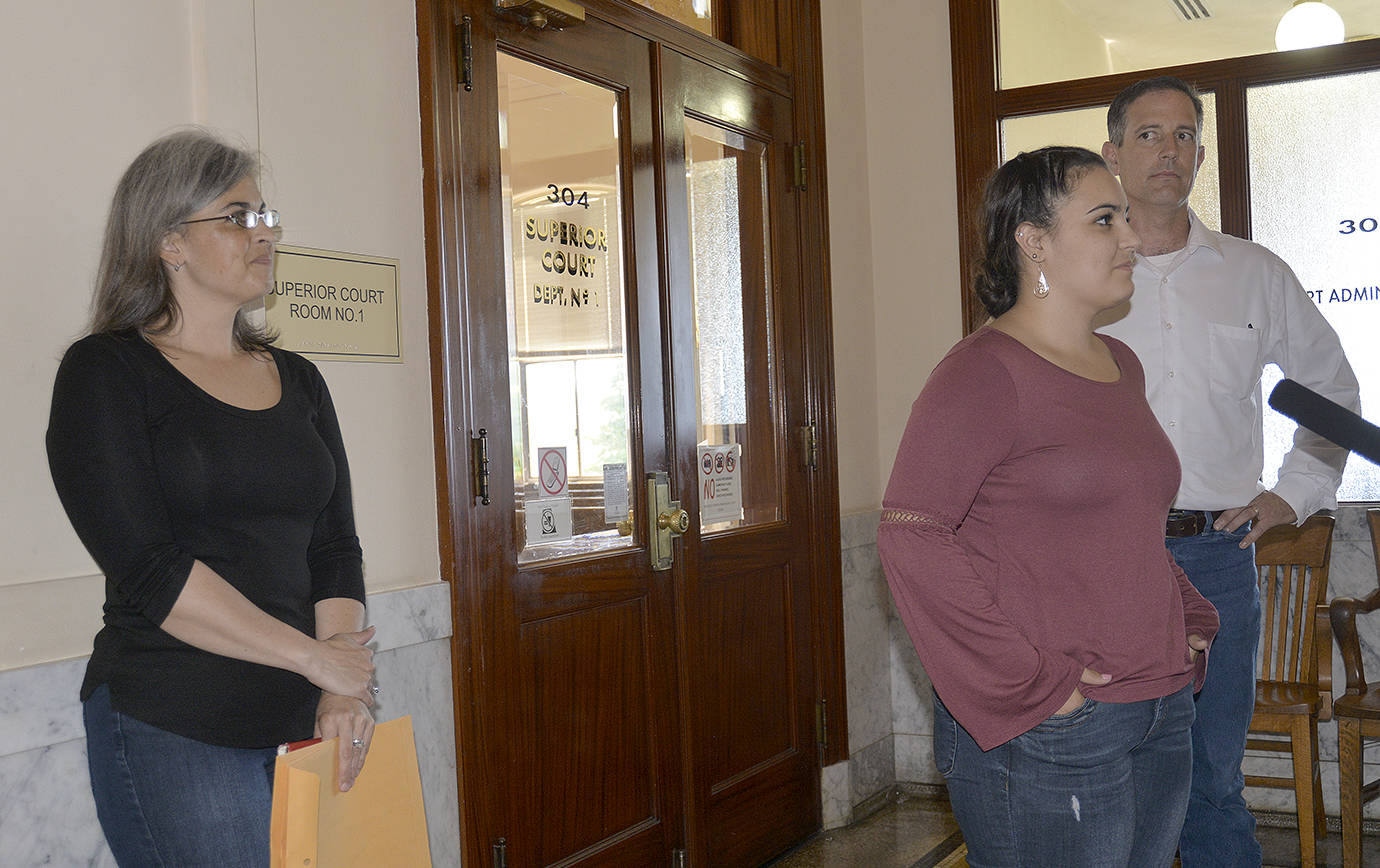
(177,267)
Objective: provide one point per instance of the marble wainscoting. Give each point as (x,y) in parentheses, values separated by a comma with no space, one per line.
(889,714)
(47,816)
(1352,574)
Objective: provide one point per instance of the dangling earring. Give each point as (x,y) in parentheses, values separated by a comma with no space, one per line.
(1042,289)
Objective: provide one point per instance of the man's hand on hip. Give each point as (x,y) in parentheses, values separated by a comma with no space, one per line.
(1266,510)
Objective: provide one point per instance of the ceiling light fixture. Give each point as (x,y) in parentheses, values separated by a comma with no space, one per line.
(1309,23)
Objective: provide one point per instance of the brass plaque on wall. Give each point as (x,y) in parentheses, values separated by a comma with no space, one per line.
(335,306)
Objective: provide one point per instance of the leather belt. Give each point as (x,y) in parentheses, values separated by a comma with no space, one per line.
(1189,522)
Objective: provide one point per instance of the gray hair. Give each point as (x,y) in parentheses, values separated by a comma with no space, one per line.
(1116,112)
(170,180)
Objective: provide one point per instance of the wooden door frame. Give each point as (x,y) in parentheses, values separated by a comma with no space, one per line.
(789,32)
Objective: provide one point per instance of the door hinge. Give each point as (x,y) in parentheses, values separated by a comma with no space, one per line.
(822,724)
(501,853)
(680,858)
(464,54)
(479,465)
(809,446)
(798,157)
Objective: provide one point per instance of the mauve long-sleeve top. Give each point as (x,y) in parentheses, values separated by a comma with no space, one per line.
(1022,536)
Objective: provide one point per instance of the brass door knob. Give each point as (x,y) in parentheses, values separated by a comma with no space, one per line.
(677,521)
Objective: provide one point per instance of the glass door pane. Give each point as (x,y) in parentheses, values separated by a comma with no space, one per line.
(1315,170)
(567,356)
(730,249)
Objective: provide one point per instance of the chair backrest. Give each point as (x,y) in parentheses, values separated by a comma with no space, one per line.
(1291,565)
(1373,522)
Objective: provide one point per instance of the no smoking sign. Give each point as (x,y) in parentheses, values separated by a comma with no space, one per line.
(553,474)
(721,488)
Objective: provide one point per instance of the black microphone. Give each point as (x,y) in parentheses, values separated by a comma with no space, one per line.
(1327,419)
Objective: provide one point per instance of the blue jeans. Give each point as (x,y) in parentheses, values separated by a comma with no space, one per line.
(1105,786)
(165,801)
(1220,831)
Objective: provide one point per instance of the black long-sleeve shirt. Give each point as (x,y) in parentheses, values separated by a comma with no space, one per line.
(155,473)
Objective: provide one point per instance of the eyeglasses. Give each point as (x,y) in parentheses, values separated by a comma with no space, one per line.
(245,219)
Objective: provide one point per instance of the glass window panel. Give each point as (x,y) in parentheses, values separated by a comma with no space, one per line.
(549,387)
(698,14)
(1041,41)
(1315,170)
(726,175)
(601,390)
(1088,128)
(568,367)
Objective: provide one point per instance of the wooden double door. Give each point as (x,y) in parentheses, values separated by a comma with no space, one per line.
(636,651)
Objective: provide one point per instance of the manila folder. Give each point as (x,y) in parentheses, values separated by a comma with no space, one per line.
(380,822)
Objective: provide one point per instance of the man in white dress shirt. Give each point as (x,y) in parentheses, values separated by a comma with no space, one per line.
(1209,312)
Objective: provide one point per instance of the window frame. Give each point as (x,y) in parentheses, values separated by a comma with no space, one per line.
(980,105)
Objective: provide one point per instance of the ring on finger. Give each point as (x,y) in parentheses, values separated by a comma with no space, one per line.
(357,742)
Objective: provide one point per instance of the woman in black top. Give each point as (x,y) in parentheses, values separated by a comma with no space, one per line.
(204,471)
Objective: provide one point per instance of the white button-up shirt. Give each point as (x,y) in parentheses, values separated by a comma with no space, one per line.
(1205,321)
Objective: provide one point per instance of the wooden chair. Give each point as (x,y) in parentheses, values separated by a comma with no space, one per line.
(1294,689)
(1357,711)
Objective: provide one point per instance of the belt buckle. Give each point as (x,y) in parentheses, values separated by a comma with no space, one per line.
(1184,523)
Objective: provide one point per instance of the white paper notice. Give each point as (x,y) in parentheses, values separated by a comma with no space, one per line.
(548,520)
(615,493)
(721,487)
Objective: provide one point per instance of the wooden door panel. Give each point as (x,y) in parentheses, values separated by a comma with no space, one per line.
(757,771)
(556,589)
(744,583)
(743,674)
(754,822)
(586,700)
(578,707)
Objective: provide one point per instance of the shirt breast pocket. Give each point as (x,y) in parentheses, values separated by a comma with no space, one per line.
(1233,360)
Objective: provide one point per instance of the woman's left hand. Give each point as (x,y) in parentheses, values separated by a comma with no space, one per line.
(350,720)
(1196,645)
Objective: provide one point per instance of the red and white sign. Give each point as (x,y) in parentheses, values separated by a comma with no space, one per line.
(553,477)
(721,488)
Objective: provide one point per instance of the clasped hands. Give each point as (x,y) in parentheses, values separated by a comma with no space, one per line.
(344,671)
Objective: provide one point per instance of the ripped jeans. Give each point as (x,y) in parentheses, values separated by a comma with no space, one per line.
(1104,786)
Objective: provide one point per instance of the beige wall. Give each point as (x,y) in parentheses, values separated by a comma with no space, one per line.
(850,254)
(1028,52)
(328,89)
(892,222)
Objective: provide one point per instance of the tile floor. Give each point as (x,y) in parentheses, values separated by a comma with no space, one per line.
(916,830)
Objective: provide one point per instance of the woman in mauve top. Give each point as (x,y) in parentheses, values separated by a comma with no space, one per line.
(1023,538)
(204,471)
